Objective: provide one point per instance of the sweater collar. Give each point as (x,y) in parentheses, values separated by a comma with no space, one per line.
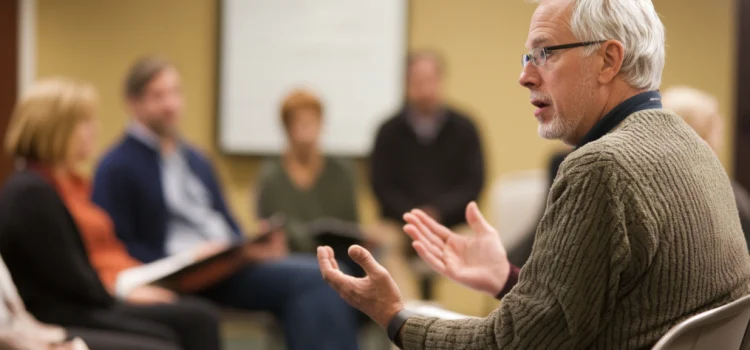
(640,102)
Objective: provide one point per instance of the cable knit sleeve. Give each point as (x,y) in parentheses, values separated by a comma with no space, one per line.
(566,292)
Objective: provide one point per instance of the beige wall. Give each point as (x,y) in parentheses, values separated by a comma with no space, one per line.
(95,40)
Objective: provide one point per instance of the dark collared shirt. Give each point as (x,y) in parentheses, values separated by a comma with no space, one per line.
(640,102)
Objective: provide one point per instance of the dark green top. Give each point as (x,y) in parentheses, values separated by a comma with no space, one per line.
(332,195)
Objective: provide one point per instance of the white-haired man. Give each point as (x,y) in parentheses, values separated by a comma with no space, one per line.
(640,230)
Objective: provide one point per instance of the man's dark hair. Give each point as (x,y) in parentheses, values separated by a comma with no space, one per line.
(142,72)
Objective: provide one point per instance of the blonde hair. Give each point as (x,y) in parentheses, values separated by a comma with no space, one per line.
(699,110)
(43,120)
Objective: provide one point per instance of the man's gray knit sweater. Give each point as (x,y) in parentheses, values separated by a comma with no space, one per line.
(640,232)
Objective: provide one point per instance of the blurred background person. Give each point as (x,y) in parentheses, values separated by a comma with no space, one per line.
(314,193)
(304,184)
(522,251)
(55,239)
(427,156)
(164,198)
(19,330)
(701,111)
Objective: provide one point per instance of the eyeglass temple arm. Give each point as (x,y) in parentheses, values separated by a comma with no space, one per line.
(570,46)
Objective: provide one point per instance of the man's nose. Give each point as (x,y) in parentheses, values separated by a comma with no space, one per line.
(529,76)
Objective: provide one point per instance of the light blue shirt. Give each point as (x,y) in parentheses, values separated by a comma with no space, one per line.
(192,219)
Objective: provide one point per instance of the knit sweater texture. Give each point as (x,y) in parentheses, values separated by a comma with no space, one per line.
(640,232)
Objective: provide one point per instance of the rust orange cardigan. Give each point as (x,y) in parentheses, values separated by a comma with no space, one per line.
(108,255)
(106,252)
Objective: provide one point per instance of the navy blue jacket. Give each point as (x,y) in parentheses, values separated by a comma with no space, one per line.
(128,185)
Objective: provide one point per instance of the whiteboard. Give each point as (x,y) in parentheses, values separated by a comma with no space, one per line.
(350,52)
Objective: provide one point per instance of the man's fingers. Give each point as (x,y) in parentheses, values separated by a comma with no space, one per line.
(434,262)
(419,236)
(441,231)
(476,220)
(326,259)
(425,232)
(363,257)
(330,270)
(412,231)
(339,281)
(334,262)
(262,225)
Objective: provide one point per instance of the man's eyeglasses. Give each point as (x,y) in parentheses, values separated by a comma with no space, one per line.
(538,55)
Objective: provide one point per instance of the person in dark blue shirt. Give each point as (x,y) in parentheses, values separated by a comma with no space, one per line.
(164,198)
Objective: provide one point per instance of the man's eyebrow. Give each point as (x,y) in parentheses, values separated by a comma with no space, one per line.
(538,41)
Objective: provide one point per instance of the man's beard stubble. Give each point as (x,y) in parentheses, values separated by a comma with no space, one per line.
(562,126)
(161,129)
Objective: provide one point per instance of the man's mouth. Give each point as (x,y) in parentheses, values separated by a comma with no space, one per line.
(540,105)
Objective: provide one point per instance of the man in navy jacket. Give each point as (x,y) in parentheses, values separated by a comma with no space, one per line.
(164,198)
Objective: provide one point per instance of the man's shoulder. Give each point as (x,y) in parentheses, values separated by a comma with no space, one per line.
(460,118)
(196,152)
(649,134)
(612,153)
(642,142)
(460,115)
(121,154)
(588,158)
(393,122)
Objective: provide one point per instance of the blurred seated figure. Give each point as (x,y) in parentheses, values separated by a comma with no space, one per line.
(304,184)
(428,155)
(522,251)
(164,198)
(19,330)
(61,249)
(701,111)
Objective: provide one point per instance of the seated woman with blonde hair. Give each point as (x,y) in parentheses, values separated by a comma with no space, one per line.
(701,111)
(61,248)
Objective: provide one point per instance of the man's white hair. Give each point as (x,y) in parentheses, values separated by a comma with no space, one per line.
(635,24)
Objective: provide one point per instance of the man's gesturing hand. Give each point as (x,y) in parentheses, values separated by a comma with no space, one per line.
(376,294)
(478,261)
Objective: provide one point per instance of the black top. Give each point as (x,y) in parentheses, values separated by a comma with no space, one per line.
(640,102)
(446,174)
(41,245)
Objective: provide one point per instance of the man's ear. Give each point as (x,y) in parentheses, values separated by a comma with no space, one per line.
(613,53)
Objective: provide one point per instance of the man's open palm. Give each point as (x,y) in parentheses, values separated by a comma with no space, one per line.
(479,261)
